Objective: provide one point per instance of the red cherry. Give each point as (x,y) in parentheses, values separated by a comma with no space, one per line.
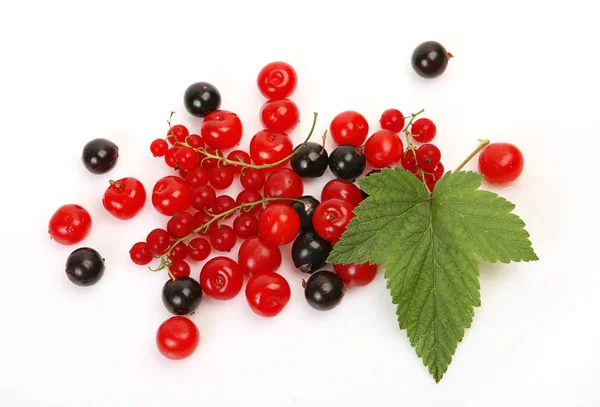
(278,224)
(222,129)
(344,190)
(284,183)
(257,256)
(349,128)
(171,194)
(392,120)
(267,147)
(500,163)
(221,278)
(383,149)
(267,294)
(277,80)
(124,198)
(177,338)
(331,218)
(280,116)
(70,224)
(356,274)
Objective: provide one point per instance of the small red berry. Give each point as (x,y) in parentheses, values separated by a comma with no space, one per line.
(392,120)
(349,128)
(170,157)
(222,129)
(344,190)
(280,115)
(223,203)
(159,147)
(409,161)
(428,156)
(180,225)
(245,226)
(70,224)
(186,158)
(177,133)
(267,147)
(500,163)
(277,80)
(203,197)
(240,156)
(178,252)
(278,224)
(423,130)
(257,256)
(170,195)
(252,179)
(220,177)
(199,249)
(223,238)
(356,274)
(180,268)
(221,278)
(438,171)
(208,163)
(267,294)
(201,218)
(158,242)
(247,196)
(197,177)
(284,183)
(195,141)
(177,338)
(383,149)
(140,254)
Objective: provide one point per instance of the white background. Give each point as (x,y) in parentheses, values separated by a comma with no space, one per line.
(524,72)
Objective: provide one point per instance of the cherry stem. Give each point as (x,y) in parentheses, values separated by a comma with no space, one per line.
(116,184)
(482,144)
(410,146)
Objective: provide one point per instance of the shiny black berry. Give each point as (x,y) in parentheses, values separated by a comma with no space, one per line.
(347,162)
(201,98)
(85,267)
(100,155)
(310,252)
(305,210)
(310,161)
(430,59)
(182,295)
(324,290)
(364,194)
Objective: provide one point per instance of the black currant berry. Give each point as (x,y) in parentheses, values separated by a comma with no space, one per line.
(310,252)
(310,161)
(100,155)
(182,295)
(364,194)
(324,290)
(85,267)
(201,98)
(305,211)
(347,162)
(430,59)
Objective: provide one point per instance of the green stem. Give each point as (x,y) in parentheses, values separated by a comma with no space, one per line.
(482,144)
(412,147)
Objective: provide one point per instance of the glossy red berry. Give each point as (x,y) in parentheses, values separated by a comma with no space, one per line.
(197,177)
(245,226)
(500,163)
(383,149)
(181,224)
(159,147)
(278,224)
(349,128)
(392,120)
(180,268)
(158,242)
(170,157)
(222,129)
(340,189)
(428,156)
(177,133)
(280,115)
(267,147)
(423,130)
(198,249)
(186,158)
(124,198)
(177,338)
(277,80)
(240,156)
(220,177)
(70,224)
(203,197)
(247,196)
(331,218)
(178,252)
(221,278)
(257,256)
(140,254)
(223,203)
(356,274)
(223,238)
(195,141)
(438,171)
(409,161)
(429,180)
(207,162)
(252,179)
(267,294)
(170,195)
(201,218)
(284,183)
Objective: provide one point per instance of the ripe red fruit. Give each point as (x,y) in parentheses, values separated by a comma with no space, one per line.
(252,179)
(222,129)
(223,203)
(199,249)
(195,141)
(180,268)
(159,147)
(278,224)
(284,183)
(331,218)
(197,177)
(257,256)
(430,181)
(180,225)
(158,242)
(356,274)
(220,177)
(438,171)
(70,224)
(340,189)
(223,238)
(170,157)
(423,130)
(383,149)
(177,133)
(500,163)
(240,156)
(186,158)
(392,120)
(267,294)
(177,338)
(203,197)
(277,80)
(209,163)
(248,196)
(409,161)
(124,198)
(178,252)
(245,226)
(349,128)
(280,115)
(140,254)
(221,278)
(268,147)
(428,156)
(201,218)
(171,194)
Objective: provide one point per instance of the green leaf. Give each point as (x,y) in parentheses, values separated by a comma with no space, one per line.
(430,245)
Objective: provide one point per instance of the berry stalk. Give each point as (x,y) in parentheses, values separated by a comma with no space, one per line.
(410,146)
(482,144)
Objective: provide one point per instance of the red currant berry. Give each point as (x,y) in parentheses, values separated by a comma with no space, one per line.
(158,242)
(220,177)
(199,249)
(349,128)
(177,338)
(201,218)
(409,161)
(356,274)
(383,149)
(183,173)
(284,183)
(423,130)
(240,156)
(438,171)
(170,195)
(392,120)
(277,80)
(252,179)
(177,133)
(222,129)
(267,147)
(223,203)
(428,156)
(257,256)
(186,158)
(70,224)
(221,278)
(223,238)
(209,163)
(159,147)
(140,254)
(180,225)
(267,294)
(500,163)
(331,218)
(197,177)
(195,141)
(247,196)
(340,189)
(245,226)
(281,116)
(124,198)
(178,252)
(180,268)
(203,197)
(170,157)
(278,224)
(430,181)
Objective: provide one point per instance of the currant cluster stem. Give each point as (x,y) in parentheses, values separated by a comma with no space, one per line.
(482,144)
(409,145)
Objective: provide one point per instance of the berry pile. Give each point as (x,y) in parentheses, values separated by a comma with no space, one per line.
(270,212)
